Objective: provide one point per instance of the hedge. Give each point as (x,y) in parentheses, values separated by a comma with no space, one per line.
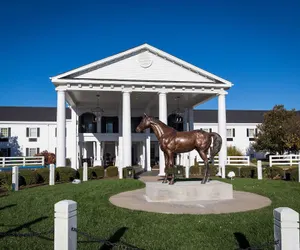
(66,174)
(96,172)
(112,171)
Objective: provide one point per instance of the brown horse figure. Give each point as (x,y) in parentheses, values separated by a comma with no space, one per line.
(172,141)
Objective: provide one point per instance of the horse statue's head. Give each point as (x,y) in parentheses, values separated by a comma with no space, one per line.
(144,124)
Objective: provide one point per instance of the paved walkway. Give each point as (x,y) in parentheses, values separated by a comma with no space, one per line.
(136,200)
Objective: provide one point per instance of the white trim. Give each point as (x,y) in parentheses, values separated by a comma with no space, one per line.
(35,123)
(152,49)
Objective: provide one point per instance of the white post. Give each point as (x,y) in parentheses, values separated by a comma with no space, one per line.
(222,132)
(248,160)
(127,143)
(120,168)
(299,171)
(43,160)
(286,223)
(85,171)
(61,129)
(72,137)
(259,170)
(191,128)
(163,118)
(51,175)
(65,218)
(148,149)
(291,160)
(187,172)
(15,178)
(144,159)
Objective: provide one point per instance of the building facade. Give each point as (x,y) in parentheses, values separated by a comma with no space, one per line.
(106,101)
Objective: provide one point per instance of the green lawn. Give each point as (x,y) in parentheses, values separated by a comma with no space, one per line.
(32,210)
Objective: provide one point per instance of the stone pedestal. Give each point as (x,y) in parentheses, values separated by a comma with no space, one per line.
(188,191)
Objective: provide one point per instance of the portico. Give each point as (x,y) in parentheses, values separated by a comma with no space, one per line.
(139,80)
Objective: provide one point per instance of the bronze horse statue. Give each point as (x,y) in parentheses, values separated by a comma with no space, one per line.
(172,141)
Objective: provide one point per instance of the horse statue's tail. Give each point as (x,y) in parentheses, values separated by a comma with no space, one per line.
(217,144)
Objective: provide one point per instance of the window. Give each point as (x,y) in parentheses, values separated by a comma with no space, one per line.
(230,134)
(5,152)
(109,127)
(4,134)
(32,151)
(32,132)
(251,133)
(208,130)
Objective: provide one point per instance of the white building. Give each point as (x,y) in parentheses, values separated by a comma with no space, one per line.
(106,100)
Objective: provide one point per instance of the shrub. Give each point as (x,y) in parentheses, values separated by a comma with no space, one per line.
(5,178)
(50,158)
(126,172)
(28,177)
(96,172)
(195,170)
(44,174)
(66,174)
(272,172)
(293,174)
(233,151)
(112,171)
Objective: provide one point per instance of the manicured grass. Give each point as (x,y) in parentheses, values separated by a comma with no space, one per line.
(33,209)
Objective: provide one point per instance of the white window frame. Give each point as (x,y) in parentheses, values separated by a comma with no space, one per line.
(30,133)
(231,132)
(251,129)
(1,133)
(208,130)
(30,150)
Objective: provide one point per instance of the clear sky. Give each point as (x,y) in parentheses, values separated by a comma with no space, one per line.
(254,44)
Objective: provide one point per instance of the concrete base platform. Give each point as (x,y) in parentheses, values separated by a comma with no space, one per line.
(188,191)
(242,201)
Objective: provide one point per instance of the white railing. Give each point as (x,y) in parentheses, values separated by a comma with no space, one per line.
(234,160)
(22,161)
(284,160)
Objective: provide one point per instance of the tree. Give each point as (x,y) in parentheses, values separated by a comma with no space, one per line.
(50,158)
(279,131)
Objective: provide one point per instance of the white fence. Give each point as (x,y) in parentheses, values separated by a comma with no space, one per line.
(284,160)
(286,227)
(234,160)
(22,161)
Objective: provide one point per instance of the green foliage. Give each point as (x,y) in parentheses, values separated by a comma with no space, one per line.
(96,172)
(233,151)
(44,174)
(195,170)
(5,178)
(66,174)
(112,171)
(126,172)
(279,132)
(28,177)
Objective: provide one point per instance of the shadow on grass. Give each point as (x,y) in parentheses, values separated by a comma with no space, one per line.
(8,206)
(242,240)
(112,242)
(26,225)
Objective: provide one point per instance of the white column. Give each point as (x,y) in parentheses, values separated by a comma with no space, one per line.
(191,127)
(120,168)
(73,138)
(144,154)
(185,120)
(84,149)
(98,151)
(299,171)
(120,118)
(61,129)
(148,149)
(94,151)
(162,117)
(222,132)
(126,129)
(65,218)
(286,223)
(116,154)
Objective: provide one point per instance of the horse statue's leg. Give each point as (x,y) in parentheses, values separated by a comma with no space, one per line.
(206,164)
(166,168)
(171,165)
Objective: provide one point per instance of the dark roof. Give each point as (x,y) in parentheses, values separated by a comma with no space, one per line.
(232,116)
(32,114)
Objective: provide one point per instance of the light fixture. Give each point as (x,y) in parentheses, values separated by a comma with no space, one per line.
(177,113)
(98,111)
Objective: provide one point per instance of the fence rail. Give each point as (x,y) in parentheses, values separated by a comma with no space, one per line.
(234,160)
(284,160)
(22,161)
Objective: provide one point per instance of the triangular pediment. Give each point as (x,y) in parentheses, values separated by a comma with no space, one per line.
(143,63)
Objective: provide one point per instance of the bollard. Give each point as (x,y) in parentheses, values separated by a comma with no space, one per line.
(259,170)
(299,171)
(85,171)
(15,178)
(65,218)
(51,175)
(187,172)
(286,232)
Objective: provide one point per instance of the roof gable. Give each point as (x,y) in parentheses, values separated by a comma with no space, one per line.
(143,63)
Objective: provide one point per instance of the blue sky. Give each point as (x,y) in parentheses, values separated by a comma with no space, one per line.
(254,44)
